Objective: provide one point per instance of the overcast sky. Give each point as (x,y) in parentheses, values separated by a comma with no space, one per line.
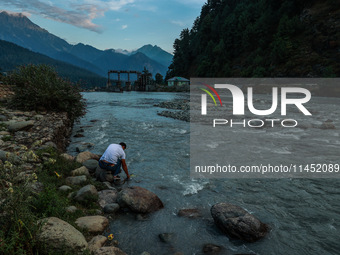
(104,24)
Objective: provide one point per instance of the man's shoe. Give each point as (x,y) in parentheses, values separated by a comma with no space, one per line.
(116,177)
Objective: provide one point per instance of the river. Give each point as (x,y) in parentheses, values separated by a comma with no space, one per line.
(303,214)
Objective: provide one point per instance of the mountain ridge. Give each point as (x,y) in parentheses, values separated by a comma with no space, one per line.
(22,31)
(13,55)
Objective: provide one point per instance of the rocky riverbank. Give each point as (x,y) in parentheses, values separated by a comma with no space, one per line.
(30,146)
(180,109)
(57,198)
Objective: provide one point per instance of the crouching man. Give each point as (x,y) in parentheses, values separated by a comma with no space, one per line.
(111,162)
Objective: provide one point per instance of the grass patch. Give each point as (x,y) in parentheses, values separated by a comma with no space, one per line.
(7,138)
(20,208)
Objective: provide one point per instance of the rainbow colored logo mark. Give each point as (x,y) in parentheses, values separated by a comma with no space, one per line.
(209,93)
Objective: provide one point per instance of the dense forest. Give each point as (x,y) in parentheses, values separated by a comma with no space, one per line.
(262,38)
(12,56)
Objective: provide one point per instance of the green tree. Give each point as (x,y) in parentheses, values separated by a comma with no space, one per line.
(159,78)
(40,87)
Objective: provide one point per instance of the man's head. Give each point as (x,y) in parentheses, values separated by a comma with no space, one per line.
(123,145)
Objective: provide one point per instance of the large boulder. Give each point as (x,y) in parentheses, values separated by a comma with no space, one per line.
(109,251)
(89,192)
(86,155)
(58,236)
(139,200)
(91,165)
(237,222)
(93,224)
(106,197)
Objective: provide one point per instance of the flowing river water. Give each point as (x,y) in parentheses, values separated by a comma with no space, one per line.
(303,214)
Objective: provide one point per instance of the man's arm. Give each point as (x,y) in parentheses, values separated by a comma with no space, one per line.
(125,168)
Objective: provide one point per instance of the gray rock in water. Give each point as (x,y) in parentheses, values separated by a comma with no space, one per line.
(238,223)
(167,237)
(91,164)
(139,200)
(211,249)
(76,180)
(58,236)
(111,208)
(87,192)
(189,213)
(327,125)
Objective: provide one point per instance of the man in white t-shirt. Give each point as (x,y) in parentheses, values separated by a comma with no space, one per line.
(112,160)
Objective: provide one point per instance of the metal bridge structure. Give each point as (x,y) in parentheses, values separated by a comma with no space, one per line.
(139,84)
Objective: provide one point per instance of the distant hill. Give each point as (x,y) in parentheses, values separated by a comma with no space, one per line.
(245,38)
(12,56)
(156,53)
(18,29)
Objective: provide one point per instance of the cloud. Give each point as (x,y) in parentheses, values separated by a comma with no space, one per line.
(79,14)
(198,3)
(124,27)
(178,23)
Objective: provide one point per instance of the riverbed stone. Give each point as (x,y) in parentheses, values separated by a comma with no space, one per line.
(327,125)
(107,197)
(86,155)
(80,171)
(111,208)
(189,213)
(93,224)
(91,165)
(76,180)
(166,237)
(139,200)
(85,193)
(59,236)
(211,249)
(237,222)
(97,242)
(109,251)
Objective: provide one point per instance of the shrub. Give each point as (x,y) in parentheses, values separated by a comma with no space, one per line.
(40,87)
(18,223)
